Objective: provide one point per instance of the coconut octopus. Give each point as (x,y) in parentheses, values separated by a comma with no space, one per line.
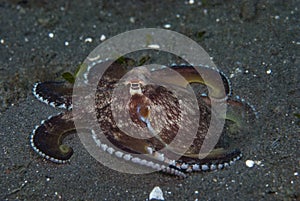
(140,111)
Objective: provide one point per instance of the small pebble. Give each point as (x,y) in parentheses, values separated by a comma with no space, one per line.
(250,163)
(191,2)
(269,71)
(156,194)
(51,35)
(103,37)
(167,26)
(132,19)
(88,40)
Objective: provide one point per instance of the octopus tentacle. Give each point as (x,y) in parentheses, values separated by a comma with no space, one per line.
(56,94)
(46,139)
(241,113)
(210,79)
(213,161)
(246,108)
(238,110)
(159,161)
(217,159)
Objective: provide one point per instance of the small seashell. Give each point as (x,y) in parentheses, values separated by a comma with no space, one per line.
(156,194)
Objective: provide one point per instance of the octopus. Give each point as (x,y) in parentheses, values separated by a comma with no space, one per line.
(148,116)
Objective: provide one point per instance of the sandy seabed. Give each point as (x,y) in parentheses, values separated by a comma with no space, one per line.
(254,42)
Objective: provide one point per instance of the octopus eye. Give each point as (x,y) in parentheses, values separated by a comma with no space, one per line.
(135,85)
(135,88)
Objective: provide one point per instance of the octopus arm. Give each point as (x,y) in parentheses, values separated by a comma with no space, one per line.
(47,139)
(56,94)
(240,113)
(218,154)
(215,80)
(127,143)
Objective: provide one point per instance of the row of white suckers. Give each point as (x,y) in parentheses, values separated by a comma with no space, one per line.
(53,104)
(37,149)
(168,166)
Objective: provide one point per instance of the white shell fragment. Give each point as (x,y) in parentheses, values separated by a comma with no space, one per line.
(153,46)
(250,163)
(156,194)
(103,37)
